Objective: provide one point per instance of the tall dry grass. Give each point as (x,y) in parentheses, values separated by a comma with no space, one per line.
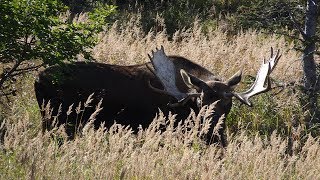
(214,50)
(178,152)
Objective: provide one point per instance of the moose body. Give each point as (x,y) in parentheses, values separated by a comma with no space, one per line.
(132,95)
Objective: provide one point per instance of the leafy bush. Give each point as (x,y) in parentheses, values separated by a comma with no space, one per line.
(33,30)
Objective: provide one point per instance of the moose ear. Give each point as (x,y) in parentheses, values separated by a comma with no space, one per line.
(186,79)
(192,81)
(235,79)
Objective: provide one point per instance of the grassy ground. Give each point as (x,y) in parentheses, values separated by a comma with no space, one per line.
(265,142)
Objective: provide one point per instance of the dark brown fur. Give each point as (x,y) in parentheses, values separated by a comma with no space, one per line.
(127,97)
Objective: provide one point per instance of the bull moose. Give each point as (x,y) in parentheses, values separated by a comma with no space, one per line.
(132,95)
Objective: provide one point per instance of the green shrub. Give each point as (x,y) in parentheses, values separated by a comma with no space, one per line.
(34,30)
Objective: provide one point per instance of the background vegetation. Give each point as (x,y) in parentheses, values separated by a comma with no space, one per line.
(270,140)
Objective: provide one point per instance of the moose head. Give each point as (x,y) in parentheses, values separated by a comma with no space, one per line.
(210,90)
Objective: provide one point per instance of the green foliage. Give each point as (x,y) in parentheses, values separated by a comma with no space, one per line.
(100,17)
(225,7)
(32,29)
(78,6)
(263,118)
(19,20)
(180,14)
(35,30)
(271,15)
(174,15)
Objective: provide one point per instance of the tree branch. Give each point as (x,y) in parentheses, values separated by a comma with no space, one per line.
(6,75)
(30,68)
(297,26)
(24,70)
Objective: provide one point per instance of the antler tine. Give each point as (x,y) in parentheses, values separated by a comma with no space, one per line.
(262,78)
(274,60)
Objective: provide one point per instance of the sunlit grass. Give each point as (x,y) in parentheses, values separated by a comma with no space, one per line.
(264,142)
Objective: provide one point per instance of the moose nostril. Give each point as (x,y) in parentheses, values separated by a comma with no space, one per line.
(227,95)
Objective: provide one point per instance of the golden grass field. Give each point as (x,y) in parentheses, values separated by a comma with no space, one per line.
(116,153)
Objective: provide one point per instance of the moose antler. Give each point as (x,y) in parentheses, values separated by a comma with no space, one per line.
(165,71)
(262,78)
